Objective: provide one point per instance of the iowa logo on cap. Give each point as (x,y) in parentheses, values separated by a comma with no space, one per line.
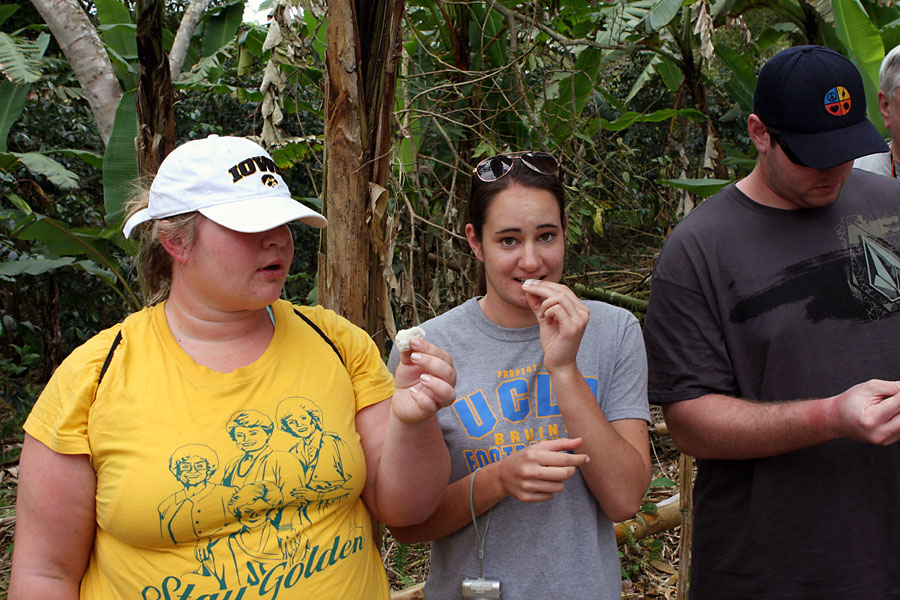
(250,166)
(269,180)
(837,101)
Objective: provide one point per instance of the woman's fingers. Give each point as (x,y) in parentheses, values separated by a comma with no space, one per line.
(539,471)
(556,303)
(425,358)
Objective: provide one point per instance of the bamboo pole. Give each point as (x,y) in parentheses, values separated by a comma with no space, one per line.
(416,592)
(686,468)
(632,304)
(668,515)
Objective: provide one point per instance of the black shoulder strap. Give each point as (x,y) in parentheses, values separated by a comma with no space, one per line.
(112,350)
(115,344)
(321,333)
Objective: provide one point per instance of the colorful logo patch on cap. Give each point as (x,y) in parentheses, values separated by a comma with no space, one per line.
(837,101)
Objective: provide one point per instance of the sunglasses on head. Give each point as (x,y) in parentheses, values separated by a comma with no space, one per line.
(496,167)
(784,148)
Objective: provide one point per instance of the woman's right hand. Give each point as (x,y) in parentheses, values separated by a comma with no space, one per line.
(538,472)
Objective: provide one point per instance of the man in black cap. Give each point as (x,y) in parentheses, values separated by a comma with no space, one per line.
(773,337)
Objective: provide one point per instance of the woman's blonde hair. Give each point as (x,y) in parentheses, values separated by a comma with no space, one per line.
(153,261)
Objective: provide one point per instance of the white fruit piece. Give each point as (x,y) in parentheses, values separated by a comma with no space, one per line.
(404,336)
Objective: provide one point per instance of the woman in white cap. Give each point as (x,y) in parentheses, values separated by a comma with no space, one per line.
(103,513)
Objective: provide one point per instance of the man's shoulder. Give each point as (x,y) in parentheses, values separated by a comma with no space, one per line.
(866,186)
(879,163)
(722,202)
(712,215)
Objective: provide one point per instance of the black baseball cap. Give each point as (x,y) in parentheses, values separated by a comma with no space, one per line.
(814,98)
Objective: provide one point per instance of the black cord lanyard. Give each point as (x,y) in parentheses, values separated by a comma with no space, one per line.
(893,164)
(479,540)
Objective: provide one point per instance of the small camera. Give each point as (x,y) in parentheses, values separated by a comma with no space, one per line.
(480,589)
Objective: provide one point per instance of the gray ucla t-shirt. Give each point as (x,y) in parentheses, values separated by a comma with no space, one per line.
(561,548)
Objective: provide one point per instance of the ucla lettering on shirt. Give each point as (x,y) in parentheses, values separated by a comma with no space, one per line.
(521,394)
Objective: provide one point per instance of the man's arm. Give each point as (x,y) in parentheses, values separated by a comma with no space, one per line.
(723,427)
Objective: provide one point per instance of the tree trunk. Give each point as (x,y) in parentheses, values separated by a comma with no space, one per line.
(361,64)
(381,60)
(154,98)
(344,281)
(182,41)
(693,79)
(87,56)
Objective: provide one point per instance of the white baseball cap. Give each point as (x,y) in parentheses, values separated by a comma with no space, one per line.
(229,180)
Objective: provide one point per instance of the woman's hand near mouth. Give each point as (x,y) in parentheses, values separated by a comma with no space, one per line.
(562,318)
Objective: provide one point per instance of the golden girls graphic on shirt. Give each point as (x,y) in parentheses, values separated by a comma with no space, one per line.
(248,515)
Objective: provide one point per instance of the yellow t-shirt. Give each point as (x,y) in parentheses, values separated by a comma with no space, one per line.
(223,485)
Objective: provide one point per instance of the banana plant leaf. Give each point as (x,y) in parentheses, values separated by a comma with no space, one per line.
(41,164)
(629,118)
(6,11)
(222,27)
(774,35)
(60,242)
(495,43)
(12,94)
(91,158)
(112,13)
(658,65)
(120,160)
(661,14)
(34,266)
(12,103)
(19,59)
(39,266)
(861,38)
(701,187)
(574,91)
(124,64)
(742,85)
(315,30)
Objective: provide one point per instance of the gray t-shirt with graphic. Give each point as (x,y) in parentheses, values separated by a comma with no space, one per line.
(561,548)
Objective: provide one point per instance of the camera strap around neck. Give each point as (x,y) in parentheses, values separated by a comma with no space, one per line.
(479,540)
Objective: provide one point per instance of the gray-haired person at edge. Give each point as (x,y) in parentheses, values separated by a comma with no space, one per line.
(162,458)
(886,163)
(549,428)
(773,341)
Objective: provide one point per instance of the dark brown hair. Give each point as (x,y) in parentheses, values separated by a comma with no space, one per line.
(483,192)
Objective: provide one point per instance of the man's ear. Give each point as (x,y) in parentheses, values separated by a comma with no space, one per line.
(883,104)
(759,134)
(175,246)
(474,244)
